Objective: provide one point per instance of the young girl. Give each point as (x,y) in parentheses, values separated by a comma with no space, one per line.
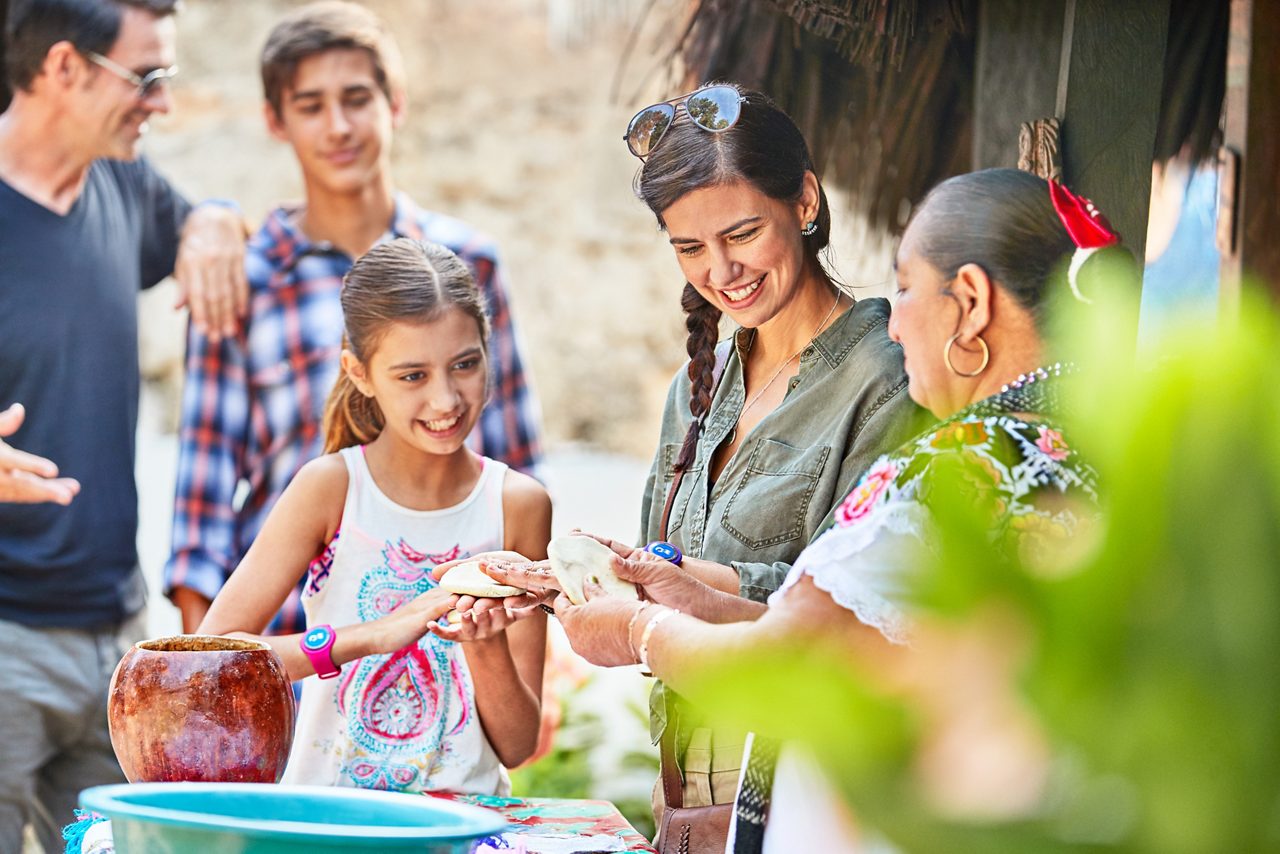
(412,705)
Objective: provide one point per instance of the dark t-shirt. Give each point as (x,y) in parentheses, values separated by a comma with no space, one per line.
(69,353)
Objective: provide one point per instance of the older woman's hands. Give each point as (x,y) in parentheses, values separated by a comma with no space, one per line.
(507,567)
(533,576)
(598,629)
(484,557)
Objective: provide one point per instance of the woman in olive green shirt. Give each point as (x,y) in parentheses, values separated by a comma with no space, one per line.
(812,389)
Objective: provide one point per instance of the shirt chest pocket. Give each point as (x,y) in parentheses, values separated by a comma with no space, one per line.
(770,503)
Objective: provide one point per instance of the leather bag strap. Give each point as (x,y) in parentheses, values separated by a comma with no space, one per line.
(672,784)
(722,359)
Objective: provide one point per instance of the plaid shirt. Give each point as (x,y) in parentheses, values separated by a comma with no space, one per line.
(252,405)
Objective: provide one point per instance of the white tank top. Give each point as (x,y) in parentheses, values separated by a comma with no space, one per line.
(405,721)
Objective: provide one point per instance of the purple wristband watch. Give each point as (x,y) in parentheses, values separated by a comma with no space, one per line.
(316,644)
(666,551)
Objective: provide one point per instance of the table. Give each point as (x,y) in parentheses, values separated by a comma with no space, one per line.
(558,825)
(543,825)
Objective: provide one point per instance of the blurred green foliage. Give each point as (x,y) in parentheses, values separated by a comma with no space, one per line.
(1149,661)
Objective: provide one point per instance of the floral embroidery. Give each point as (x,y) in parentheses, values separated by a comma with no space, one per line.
(1050,547)
(1012,467)
(864,496)
(1051,442)
(1036,500)
(960,434)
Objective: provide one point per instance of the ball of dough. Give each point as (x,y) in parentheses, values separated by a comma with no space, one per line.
(575,557)
(467,579)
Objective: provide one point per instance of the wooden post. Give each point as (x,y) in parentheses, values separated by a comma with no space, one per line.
(1109,89)
(1249,204)
(1016,74)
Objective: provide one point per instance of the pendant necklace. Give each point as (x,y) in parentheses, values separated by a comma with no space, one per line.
(733,433)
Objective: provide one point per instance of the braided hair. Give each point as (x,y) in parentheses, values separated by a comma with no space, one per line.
(766,150)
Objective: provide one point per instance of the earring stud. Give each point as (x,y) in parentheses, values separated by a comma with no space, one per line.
(810,228)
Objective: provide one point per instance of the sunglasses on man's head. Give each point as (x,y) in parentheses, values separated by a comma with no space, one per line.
(146,84)
(712,108)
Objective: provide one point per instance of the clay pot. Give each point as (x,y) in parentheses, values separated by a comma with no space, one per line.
(201,709)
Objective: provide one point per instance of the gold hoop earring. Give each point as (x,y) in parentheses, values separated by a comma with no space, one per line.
(946,356)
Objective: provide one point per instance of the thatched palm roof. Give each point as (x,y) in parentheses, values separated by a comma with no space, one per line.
(884,89)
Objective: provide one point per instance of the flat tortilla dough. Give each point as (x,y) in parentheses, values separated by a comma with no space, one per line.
(467,579)
(574,558)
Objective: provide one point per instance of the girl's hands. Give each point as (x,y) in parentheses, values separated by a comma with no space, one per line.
(411,620)
(482,619)
(598,628)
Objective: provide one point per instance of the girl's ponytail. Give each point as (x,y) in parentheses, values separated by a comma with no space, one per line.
(350,418)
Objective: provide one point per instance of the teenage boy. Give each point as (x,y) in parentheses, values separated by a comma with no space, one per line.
(253,405)
(84,224)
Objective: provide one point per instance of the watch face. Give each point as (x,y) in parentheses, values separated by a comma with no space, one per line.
(317,638)
(666,551)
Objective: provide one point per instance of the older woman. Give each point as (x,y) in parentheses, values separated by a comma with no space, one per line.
(980,259)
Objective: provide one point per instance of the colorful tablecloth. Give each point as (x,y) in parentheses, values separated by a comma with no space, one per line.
(557,826)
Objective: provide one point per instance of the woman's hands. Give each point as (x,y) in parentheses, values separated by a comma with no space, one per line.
(599,629)
(661,581)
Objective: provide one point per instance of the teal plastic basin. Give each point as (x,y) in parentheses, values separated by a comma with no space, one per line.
(254,818)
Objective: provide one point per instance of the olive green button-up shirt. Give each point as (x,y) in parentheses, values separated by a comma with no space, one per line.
(847,405)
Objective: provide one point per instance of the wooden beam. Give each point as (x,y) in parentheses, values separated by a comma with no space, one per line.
(1016,75)
(1249,209)
(1110,80)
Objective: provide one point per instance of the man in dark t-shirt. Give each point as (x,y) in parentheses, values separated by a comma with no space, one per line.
(84,224)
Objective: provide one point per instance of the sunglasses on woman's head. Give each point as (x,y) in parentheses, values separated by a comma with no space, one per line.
(712,108)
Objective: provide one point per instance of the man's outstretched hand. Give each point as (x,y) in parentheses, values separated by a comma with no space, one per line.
(26,478)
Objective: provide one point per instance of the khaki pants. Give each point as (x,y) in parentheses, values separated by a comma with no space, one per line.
(712,765)
(53,727)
